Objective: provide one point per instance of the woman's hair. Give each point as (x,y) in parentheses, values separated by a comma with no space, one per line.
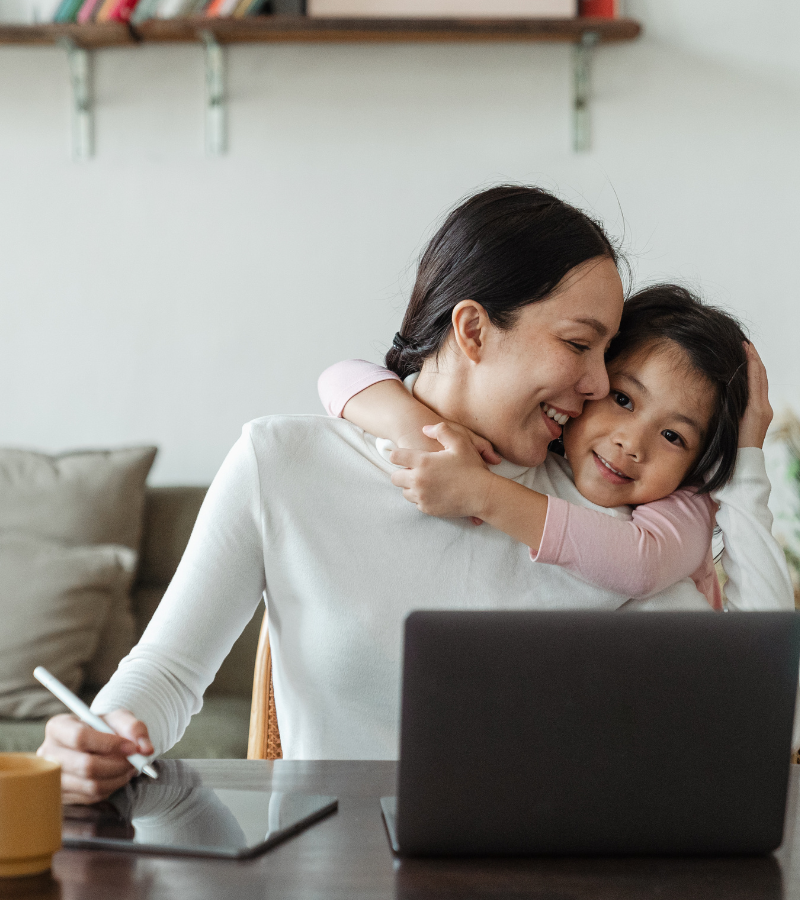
(713,341)
(504,248)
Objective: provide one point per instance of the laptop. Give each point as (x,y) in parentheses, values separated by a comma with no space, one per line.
(587,733)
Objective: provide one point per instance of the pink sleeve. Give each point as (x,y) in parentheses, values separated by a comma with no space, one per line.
(666,540)
(342,381)
(705,578)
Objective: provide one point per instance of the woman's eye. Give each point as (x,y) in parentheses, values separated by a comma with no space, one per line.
(622,399)
(581,348)
(672,436)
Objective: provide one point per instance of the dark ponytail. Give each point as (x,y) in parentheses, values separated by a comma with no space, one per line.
(503,248)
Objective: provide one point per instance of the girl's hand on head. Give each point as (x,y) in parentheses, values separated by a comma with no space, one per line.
(758,415)
(94,764)
(451,483)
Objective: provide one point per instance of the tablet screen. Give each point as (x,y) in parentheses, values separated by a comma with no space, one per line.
(177,813)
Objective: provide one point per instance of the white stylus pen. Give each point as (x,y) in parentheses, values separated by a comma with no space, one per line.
(83,712)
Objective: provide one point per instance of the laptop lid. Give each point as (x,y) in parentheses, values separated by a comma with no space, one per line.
(595,733)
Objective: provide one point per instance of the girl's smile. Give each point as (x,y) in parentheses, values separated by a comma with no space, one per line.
(638,444)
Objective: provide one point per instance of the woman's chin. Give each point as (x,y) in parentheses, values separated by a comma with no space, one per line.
(528,457)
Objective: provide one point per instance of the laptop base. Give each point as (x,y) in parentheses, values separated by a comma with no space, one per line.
(389,809)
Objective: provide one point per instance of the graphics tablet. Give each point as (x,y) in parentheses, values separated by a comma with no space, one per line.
(178,814)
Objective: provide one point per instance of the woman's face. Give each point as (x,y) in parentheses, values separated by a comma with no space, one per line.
(548,365)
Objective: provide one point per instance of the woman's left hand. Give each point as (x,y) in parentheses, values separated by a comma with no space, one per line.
(758,415)
(447,484)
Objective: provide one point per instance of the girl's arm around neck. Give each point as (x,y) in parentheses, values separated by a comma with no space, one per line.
(456,482)
(665,542)
(376,400)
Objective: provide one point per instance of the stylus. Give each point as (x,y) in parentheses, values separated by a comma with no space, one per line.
(83,712)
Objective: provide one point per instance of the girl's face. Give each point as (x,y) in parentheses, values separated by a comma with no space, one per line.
(638,444)
(552,359)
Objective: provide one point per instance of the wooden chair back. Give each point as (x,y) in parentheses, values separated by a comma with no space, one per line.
(264,741)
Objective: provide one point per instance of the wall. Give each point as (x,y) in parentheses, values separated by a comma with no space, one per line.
(155,294)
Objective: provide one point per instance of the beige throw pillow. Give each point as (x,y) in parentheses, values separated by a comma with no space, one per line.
(54,601)
(86,497)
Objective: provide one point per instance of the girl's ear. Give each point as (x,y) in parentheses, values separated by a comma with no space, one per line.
(471,327)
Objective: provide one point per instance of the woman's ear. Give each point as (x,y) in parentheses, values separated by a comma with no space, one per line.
(470,329)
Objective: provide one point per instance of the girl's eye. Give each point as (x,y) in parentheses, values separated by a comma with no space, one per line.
(622,399)
(673,437)
(581,348)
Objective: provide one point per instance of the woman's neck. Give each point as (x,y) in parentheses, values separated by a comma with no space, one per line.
(442,389)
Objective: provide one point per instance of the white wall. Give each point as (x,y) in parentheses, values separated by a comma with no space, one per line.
(154,294)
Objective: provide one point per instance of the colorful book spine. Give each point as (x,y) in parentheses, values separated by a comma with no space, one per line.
(87,11)
(240,11)
(601,9)
(68,11)
(145,9)
(121,11)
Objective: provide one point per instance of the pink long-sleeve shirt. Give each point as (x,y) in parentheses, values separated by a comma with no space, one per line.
(662,542)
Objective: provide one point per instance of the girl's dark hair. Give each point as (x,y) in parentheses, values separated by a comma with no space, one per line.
(504,248)
(713,342)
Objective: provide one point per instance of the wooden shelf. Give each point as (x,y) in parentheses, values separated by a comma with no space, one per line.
(78,40)
(299,29)
(107,34)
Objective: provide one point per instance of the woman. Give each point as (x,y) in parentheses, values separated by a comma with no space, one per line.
(302,509)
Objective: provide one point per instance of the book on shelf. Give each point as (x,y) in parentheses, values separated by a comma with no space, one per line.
(87,12)
(468,9)
(115,11)
(602,9)
(67,10)
(144,10)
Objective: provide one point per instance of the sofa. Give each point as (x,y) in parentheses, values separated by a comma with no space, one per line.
(220,729)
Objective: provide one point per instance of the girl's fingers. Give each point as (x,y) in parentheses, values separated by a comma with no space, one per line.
(758,415)
(448,437)
(490,456)
(402,478)
(406,458)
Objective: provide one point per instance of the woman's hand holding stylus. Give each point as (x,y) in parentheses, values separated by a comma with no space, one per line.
(93,764)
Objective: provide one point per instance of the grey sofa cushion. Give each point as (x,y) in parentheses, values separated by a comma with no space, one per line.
(54,602)
(81,498)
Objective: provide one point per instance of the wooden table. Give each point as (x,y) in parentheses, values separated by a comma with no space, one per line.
(347,856)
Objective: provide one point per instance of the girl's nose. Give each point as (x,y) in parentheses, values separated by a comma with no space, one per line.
(629,440)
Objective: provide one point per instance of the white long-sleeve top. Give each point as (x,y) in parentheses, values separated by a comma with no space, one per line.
(303,512)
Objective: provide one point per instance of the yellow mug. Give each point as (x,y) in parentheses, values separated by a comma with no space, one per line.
(30,813)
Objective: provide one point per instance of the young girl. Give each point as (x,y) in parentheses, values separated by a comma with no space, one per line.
(651,454)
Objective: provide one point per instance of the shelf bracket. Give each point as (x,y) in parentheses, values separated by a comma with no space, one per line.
(582,87)
(216,131)
(80,73)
